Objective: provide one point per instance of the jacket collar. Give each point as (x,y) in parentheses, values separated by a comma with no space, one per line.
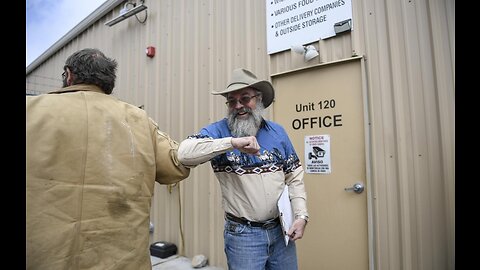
(78,87)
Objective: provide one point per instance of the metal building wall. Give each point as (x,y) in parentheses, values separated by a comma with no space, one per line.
(199,43)
(409,50)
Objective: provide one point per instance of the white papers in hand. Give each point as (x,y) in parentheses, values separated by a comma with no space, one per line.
(286,213)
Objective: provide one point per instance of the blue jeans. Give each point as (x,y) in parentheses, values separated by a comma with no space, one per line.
(256,248)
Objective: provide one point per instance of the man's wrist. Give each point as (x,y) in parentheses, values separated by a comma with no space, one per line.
(304,217)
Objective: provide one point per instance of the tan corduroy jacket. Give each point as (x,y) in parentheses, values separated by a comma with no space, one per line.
(91,164)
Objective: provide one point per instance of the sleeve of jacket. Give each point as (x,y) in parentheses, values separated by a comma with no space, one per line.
(169,170)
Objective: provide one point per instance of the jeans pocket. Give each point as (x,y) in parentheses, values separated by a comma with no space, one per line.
(233,227)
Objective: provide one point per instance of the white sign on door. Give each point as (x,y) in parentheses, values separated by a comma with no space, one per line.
(317,154)
(298,22)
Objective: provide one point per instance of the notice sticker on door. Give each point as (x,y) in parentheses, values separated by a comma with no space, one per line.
(317,154)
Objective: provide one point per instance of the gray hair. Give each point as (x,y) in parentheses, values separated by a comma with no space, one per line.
(91,66)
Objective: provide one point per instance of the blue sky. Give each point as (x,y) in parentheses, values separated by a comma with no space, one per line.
(49,20)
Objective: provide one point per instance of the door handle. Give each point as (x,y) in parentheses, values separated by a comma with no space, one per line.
(357,188)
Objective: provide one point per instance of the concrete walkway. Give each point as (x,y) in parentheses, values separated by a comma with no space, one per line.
(177,262)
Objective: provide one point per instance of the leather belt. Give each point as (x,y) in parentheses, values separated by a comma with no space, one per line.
(266,224)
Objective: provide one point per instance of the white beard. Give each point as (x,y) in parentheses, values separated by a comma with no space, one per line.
(246,127)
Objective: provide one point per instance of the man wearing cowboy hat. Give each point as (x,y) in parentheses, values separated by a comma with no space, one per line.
(253,159)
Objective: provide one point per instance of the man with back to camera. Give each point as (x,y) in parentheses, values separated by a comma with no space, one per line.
(92,162)
(253,159)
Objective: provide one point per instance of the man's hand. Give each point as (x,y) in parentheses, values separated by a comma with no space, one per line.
(247,145)
(297,229)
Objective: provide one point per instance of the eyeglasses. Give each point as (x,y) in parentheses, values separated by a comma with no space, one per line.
(64,74)
(243,100)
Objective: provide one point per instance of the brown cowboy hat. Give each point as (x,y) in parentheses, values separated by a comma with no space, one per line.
(242,78)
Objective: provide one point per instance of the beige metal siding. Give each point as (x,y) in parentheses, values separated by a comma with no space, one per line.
(409,49)
(198,44)
(411,81)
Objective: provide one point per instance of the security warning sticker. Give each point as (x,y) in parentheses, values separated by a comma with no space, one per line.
(317,154)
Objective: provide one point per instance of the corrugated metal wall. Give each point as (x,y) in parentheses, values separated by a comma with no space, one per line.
(409,48)
(410,52)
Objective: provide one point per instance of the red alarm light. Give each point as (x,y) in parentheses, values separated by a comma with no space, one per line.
(150,51)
